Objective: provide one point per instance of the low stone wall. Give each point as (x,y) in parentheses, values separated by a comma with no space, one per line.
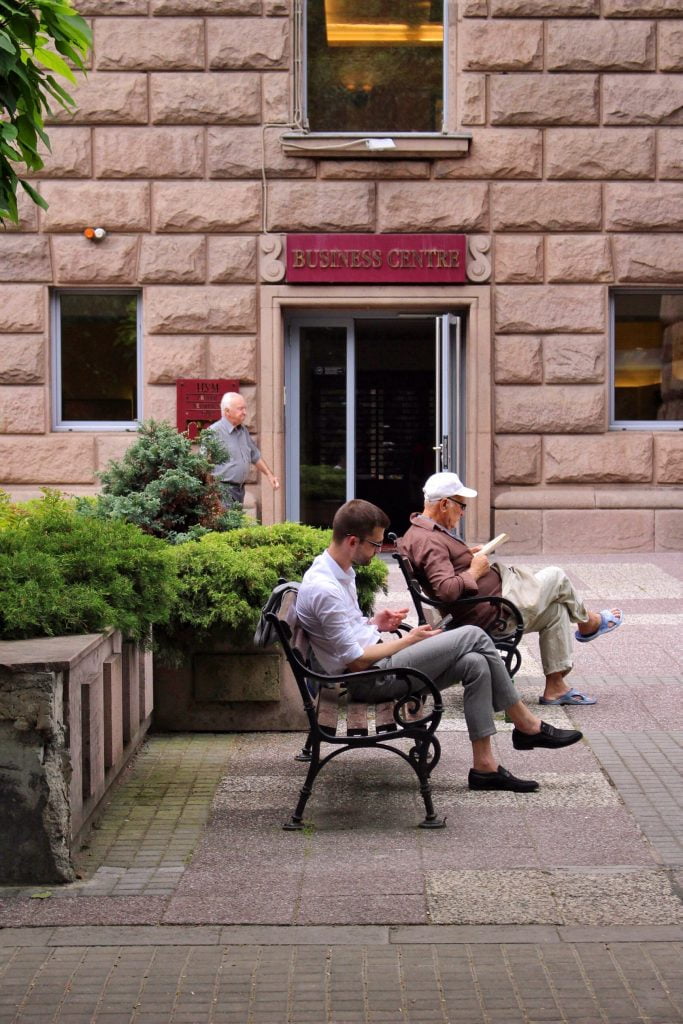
(72,711)
(220,689)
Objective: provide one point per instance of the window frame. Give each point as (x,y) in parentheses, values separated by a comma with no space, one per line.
(615,424)
(59,424)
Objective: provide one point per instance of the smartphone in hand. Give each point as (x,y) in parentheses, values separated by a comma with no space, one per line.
(444,623)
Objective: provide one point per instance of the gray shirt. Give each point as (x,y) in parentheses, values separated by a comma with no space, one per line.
(242,451)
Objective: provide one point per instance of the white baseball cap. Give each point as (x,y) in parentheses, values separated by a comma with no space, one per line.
(446,485)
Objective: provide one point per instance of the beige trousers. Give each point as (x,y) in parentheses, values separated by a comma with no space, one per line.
(549,605)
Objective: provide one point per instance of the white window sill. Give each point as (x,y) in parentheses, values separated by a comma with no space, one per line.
(359,146)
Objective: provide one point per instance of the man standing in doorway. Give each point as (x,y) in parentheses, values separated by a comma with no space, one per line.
(242,452)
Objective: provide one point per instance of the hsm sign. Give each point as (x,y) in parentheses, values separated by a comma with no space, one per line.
(376,259)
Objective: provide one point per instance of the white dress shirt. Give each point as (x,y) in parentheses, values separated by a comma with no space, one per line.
(327,607)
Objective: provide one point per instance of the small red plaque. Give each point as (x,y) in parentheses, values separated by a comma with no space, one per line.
(198,402)
(376,259)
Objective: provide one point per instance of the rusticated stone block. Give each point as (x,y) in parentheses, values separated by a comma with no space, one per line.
(116,206)
(233,357)
(574,359)
(670,35)
(517,460)
(194,98)
(657,100)
(275,86)
(519,259)
(205,7)
(550,409)
(28,216)
(180,310)
(207,206)
(555,309)
(323,206)
(168,358)
(669,459)
(544,99)
(149,152)
(24,259)
(247,43)
(544,8)
(22,410)
(523,527)
(518,359)
(599,530)
(232,258)
(600,46)
(106,99)
(474,8)
(545,207)
(670,153)
(58,459)
(22,359)
(472,99)
(576,258)
(497,153)
(176,258)
(372,170)
(433,206)
(642,8)
(240,153)
(646,207)
(112,447)
(111,261)
(138,44)
(276,8)
(111,7)
(160,403)
(502,45)
(22,308)
(600,153)
(648,259)
(623,457)
(668,530)
(68,156)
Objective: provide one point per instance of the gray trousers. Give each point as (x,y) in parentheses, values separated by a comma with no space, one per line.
(464,655)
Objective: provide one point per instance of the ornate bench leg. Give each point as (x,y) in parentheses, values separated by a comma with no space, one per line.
(297,823)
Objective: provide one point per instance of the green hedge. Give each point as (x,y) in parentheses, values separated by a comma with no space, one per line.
(224,579)
(64,573)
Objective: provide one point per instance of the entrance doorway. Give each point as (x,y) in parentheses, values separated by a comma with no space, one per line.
(374,405)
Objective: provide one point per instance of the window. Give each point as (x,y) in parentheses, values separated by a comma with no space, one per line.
(648,359)
(96,360)
(374,65)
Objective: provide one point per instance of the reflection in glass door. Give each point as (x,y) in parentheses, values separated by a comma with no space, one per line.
(370,412)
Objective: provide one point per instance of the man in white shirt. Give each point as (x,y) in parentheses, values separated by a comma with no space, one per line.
(344,640)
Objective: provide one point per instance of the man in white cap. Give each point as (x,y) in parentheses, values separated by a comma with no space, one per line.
(450,569)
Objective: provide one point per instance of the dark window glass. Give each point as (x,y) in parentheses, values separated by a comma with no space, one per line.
(99,357)
(648,356)
(375,65)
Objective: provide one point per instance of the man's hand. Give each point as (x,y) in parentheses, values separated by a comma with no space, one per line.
(480,565)
(387,621)
(421,633)
(475,548)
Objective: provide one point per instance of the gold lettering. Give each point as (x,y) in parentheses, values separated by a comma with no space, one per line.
(455,258)
(324,259)
(377,258)
(299,258)
(393,258)
(441,258)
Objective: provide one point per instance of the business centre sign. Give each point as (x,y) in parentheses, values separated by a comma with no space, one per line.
(376,259)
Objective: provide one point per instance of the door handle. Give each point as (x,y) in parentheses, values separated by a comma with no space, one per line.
(444,451)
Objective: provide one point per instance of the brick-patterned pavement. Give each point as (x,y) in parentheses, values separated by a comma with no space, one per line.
(564,905)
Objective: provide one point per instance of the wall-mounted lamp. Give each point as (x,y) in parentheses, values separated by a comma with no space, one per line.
(95,234)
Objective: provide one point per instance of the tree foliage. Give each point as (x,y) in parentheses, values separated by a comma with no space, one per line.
(37,39)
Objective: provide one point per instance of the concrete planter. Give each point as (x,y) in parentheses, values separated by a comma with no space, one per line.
(224,689)
(73,710)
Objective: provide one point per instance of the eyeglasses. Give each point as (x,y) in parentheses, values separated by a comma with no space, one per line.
(455,501)
(377,544)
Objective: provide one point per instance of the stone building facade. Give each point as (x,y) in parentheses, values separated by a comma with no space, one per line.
(561,161)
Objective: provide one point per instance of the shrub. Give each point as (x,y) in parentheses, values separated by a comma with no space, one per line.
(225,579)
(62,573)
(164,486)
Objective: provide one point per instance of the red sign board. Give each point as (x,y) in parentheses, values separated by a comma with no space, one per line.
(198,403)
(376,259)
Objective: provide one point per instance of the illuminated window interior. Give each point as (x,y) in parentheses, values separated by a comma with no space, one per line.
(648,356)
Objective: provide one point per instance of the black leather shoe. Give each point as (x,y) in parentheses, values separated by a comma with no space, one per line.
(549,736)
(502,779)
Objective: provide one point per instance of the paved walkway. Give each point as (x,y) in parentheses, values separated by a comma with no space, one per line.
(564,905)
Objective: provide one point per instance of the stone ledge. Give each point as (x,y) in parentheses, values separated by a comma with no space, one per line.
(343,146)
(49,654)
(588,497)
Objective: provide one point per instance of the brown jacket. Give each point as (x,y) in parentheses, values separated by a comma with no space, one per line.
(441,563)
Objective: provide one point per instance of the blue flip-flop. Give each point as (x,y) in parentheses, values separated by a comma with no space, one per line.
(570,697)
(608,623)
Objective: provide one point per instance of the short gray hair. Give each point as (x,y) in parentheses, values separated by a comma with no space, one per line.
(227,401)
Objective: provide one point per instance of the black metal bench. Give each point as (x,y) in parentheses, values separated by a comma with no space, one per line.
(410,717)
(505,631)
